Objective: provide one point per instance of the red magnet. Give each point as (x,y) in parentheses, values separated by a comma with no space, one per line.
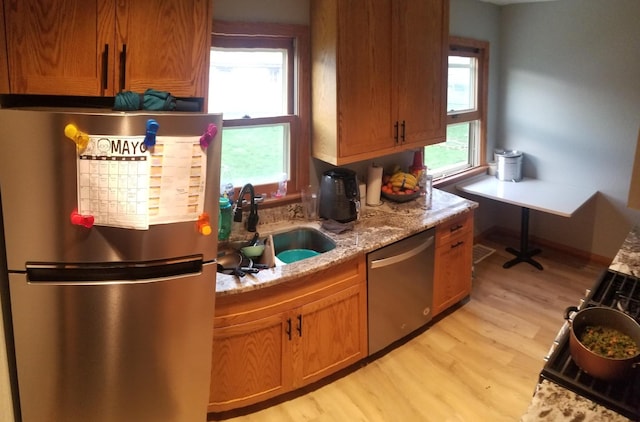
(81,220)
(80,138)
(208,135)
(203,224)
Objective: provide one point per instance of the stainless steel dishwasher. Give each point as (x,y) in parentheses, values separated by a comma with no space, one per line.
(400,288)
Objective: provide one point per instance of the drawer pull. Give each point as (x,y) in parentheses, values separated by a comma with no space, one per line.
(457,244)
(456,228)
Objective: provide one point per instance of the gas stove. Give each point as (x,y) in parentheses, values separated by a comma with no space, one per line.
(613,290)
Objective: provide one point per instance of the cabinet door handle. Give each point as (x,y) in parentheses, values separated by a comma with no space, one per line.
(123,66)
(395,132)
(403,131)
(105,67)
(299,326)
(455,245)
(288,329)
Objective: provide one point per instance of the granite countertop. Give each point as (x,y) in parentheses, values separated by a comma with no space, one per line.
(378,226)
(552,402)
(627,260)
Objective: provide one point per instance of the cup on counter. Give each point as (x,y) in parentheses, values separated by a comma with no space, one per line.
(309,197)
(363,196)
(492,170)
(427,191)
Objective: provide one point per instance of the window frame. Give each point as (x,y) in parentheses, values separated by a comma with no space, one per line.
(296,39)
(468,47)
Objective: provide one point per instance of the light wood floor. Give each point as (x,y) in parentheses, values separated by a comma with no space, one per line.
(478,363)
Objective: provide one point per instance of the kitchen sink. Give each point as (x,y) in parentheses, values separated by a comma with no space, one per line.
(301,243)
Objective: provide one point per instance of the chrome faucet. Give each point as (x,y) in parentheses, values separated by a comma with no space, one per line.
(252,220)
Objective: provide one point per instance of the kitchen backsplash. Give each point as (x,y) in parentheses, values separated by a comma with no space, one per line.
(267,216)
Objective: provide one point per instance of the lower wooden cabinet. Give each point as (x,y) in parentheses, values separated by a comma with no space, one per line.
(332,335)
(277,339)
(453,261)
(249,363)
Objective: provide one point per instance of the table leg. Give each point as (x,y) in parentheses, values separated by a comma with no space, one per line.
(524,254)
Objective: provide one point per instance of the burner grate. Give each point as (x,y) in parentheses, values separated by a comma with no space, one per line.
(629,305)
(616,290)
(612,290)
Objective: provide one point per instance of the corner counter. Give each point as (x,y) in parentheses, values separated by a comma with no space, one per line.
(552,402)
(377,227)
(627,260)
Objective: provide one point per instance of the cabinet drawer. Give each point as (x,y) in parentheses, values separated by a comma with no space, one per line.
(450,230)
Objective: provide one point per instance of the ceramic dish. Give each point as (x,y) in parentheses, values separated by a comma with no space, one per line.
(400,198)
(253,251)
(293,255)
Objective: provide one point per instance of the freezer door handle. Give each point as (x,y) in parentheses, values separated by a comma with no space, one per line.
(97,272)
(396,259)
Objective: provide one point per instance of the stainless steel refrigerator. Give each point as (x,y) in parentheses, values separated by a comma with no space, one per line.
(108,252)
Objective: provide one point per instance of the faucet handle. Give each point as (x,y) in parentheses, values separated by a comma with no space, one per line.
(256,199)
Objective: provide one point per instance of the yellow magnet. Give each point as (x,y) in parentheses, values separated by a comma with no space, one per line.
(80,138)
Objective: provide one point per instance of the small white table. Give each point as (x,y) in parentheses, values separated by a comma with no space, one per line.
(530,194)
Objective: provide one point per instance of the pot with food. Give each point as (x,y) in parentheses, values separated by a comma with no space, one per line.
(604,342)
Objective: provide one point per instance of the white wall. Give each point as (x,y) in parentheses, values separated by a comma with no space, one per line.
(570,99)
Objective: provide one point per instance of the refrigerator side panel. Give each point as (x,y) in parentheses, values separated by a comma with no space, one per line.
(38,180)
(114,352)
(9,408)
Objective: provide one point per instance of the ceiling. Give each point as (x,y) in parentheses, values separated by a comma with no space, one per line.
(504,2)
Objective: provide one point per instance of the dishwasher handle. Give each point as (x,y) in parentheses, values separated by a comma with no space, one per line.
(395,259)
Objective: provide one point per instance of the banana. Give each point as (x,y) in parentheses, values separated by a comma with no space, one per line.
(404,176)
(403,180)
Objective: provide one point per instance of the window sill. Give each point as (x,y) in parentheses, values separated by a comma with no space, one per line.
(455,178)
(279,202)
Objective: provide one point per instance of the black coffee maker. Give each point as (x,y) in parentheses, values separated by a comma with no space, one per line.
(339,195)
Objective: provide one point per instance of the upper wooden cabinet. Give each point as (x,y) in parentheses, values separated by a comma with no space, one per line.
(379,76)
(101,47)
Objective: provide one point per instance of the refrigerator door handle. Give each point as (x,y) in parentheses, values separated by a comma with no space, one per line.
(108,272)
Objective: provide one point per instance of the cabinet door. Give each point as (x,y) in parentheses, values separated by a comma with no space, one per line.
(332,335)
(421,37)
(364,74)
(452,271)
(56,47)
(250,363)
(164,45)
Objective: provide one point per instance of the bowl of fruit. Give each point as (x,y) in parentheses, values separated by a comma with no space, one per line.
(400,187)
